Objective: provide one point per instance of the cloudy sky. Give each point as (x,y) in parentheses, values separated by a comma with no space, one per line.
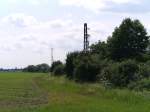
(30,28)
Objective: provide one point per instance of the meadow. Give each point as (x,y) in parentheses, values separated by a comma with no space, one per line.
(38,92)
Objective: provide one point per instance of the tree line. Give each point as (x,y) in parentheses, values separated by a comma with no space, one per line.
(41,68)
(57,68)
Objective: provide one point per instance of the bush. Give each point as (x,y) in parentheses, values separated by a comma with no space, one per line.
(143,57)
(144,70)
(44,68)
(59,70)
(87,69)
(121,74)
(144,73)
(141,85)
(100,48)
(55,64)
(106,72)
(70,65)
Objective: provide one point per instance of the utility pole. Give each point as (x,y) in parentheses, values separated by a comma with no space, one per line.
(52,57)
(86,38)
(52,60)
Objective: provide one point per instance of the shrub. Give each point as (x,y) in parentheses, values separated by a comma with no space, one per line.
(143,57)
(59,70)
(99,48)
(121,74)
(144,70)
(55,64)
(87,69)
(70,66)
(141,85)
(105,66)
(44,68)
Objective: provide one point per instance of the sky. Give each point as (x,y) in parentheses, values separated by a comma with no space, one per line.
(30,28)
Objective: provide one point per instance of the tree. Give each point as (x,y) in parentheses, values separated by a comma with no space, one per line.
(55,64)
(86,69)
(99,48)
(30,68)
(41,68)
(128,40)
(44,68)
(70,65)
(59,70)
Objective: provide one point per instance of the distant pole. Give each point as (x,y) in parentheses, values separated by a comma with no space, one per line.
(86,38)
(52,57)
(52,60)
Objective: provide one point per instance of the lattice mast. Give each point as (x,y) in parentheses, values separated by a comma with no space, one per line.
(86,38)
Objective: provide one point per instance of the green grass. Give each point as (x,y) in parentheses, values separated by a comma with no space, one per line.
(26,92)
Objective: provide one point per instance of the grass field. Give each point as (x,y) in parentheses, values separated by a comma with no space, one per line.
(26,92)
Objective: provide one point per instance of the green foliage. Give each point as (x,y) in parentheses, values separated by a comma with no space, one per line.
(112,62)
(100,48)
(128,40)
(30,68)
(143,58)
(84,67)
(55,64)
(141,85)
(121,74)
(144,70)
(87,69)
(41,68)
(70,65)
(44,68)
(59,70)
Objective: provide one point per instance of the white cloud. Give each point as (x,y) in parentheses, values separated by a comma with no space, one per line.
(125,1)
(33,38)
(35,2)
(31,2)
(95,5)
(19,20)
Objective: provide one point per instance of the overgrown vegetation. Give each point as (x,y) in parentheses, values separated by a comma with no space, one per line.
(121,61)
